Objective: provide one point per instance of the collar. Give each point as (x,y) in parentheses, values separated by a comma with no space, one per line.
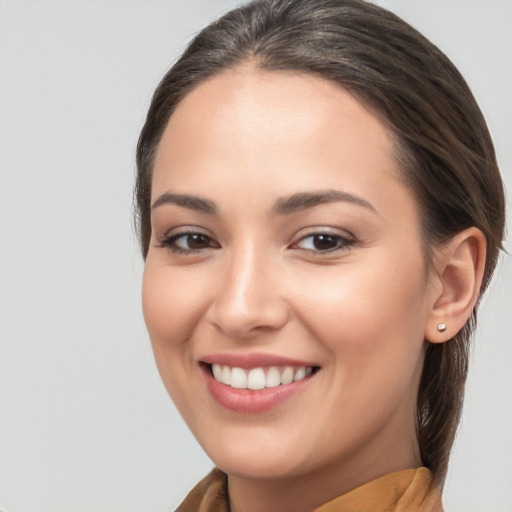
(403,491)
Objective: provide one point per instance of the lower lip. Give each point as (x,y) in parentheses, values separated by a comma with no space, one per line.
(251,401)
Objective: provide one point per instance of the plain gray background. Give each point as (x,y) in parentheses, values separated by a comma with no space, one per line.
(85,424)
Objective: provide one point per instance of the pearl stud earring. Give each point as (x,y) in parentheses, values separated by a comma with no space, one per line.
(441,327)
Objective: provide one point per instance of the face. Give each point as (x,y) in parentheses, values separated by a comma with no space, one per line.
(286,259)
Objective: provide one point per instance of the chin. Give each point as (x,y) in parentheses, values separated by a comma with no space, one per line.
(258,464)
(256,459)
(257,469)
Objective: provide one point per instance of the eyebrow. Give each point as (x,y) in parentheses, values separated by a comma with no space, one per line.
(283,206)
(186,201)
(304,200)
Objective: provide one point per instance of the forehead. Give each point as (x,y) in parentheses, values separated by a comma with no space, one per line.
(273,131)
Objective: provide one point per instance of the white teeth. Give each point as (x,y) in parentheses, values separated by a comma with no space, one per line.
(217,372)
(273,378)
(256,379)
(300,374)
(238,378)
(259,378)
(287,375)
(226,375)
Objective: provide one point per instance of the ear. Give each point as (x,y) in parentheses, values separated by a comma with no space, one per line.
(459,269)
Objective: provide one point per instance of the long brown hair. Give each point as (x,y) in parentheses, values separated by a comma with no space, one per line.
(442,142)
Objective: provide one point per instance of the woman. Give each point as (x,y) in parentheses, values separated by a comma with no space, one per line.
(320,210)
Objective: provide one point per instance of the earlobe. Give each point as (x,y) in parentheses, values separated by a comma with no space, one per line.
(459,268)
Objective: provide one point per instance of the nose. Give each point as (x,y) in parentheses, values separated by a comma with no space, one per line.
(249,300)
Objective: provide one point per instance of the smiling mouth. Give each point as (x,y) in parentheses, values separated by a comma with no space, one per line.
(260,377)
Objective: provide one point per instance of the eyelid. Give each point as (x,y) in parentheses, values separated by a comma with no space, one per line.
(185,230)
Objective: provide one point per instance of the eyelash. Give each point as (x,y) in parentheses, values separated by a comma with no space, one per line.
(341,243)
(170,242)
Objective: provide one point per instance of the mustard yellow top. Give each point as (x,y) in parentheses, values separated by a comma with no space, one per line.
(411,490)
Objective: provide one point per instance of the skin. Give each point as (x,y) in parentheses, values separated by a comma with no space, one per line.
(360,311)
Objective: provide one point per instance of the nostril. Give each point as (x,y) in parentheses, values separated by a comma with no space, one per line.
(241,323)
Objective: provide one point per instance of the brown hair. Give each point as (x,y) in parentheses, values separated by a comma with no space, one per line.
(443,144)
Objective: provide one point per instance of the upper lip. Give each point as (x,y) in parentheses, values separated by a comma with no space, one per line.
(254,360)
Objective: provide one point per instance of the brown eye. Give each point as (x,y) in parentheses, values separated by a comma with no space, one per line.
(324,242)
(196,241)
(188,242)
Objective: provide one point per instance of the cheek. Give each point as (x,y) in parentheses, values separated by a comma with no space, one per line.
(371,325)
(369,311)
(172,306)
